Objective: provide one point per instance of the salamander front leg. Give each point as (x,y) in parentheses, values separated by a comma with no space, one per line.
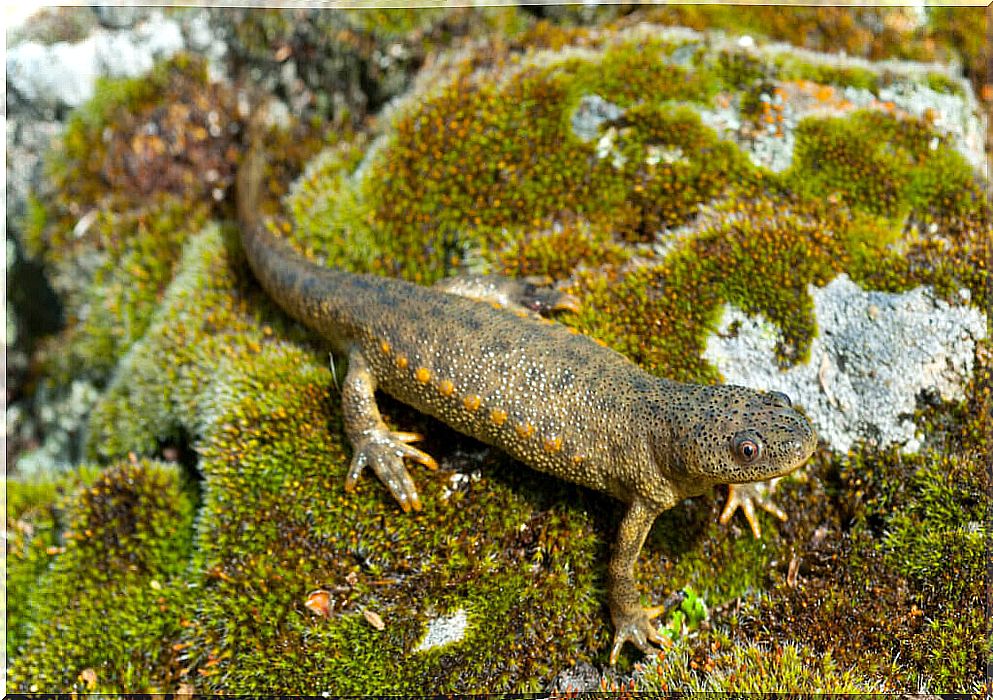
(374,444)
(746,497)
(531,294)
(632,622)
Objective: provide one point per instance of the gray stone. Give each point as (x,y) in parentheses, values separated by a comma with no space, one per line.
(119,16)
(63,75)
(581,678)
(874,354)
(444,630)
(591,113)
(60,75)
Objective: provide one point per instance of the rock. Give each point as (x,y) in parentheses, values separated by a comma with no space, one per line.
(63,75)
(444,630)
(874,355)
(593,111)
(581,678)
(50,77)
(119,16)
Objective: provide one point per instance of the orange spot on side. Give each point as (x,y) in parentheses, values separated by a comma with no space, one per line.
(402,361)
(524,430)
(471,402)
(553,444)
(498,416)
(578,459)
(385,347)
(423,375)
(446,388)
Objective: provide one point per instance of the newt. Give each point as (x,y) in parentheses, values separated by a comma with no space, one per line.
(475,354)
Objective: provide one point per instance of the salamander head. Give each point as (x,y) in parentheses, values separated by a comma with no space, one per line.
(732,435)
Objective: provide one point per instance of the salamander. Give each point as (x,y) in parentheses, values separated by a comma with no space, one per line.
(474,353)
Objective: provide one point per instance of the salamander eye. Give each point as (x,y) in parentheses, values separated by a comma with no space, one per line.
(780,399)
(746,449)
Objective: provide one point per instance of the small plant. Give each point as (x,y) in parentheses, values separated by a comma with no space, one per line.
(687,617)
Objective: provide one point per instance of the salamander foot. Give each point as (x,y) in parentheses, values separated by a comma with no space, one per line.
(637,628)
(746,497)
(532,295)
(384,451)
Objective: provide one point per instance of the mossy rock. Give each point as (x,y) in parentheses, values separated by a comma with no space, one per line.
(109,608)
(289,585)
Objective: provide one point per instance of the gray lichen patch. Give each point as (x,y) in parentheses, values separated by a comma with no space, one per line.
(64,74)
(874,355)
(443,631)
(592,112)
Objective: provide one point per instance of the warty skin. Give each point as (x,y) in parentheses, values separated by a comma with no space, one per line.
(473,353)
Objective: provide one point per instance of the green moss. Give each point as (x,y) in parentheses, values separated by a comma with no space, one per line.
(758,255)
(105,617)
(674,164)
(555,252)
(737,70)
(118,303)
(124,203)
(107,144)
(961,32)
(327,209)
(872,33)
(271,436)
(791,68)
(656,223)
(909,564)
(628,71)
(31,542)
(882,164)
(508,160)
(35,218)
(729,668)
(941,82)
(393,23)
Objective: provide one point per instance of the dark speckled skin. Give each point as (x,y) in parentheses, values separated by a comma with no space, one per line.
(553,399)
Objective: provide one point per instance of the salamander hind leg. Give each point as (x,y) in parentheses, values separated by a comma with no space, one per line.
(374,444)
(533,295)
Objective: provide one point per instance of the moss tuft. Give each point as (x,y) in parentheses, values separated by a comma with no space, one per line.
(107,614)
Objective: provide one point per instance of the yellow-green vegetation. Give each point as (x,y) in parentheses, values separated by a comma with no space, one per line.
(32,540)
(947,33)
(885,165)
(141,167)
(656,223)
(107,611)
(726,667)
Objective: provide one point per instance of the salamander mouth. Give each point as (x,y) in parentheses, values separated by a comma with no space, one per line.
(801,449)
(798,444)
